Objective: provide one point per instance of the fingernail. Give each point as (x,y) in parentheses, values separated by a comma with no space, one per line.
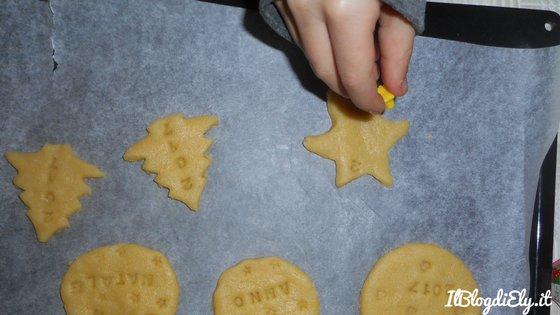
(376,112)
(404,84)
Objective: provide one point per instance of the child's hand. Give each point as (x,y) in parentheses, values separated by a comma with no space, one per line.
(337,38)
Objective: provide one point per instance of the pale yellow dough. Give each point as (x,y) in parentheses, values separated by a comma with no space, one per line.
(358,141)
(175,149)
(265,286)
(52,181)
(123,279)
(415,279)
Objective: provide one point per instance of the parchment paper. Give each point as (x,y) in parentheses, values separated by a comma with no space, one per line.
(481,119)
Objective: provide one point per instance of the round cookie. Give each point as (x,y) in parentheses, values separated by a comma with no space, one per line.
(120,279)
(262,286)
(415,279)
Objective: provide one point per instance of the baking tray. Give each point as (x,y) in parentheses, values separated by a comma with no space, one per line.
(462,175)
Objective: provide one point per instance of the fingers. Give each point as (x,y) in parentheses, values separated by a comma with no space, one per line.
(315,42)
(337,38)
(396,38)
(351,25)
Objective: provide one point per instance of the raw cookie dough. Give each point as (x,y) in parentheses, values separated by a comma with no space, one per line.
(175,149)
(358,141)
(120,279)
(52,181)
(414,279)
(265,286)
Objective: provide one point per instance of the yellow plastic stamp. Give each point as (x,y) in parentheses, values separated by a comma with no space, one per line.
(415,279)
(388,97)
(175,149)
(358,141)
(120,279)
(52,181)
(265,286)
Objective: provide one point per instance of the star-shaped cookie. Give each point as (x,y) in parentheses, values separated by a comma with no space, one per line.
(358,141)
(52,181)
(175,149)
